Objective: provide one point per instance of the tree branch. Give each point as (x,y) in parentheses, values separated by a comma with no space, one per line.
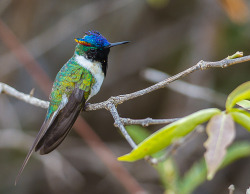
(146,122)
(118,123)
(4,88)
(201,65)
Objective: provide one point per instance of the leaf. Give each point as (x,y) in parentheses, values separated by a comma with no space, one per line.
(244,104)
(137,133)
(221,132)
(242,118)
(165,136)
(242,92)
(169,175)
(235,152)
(167,170)
(196,175)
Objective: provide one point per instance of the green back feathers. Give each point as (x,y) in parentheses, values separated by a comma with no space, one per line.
(70,76)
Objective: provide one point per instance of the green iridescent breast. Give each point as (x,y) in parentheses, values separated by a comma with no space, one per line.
(70,76)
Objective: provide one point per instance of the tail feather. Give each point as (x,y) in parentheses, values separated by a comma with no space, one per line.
(40,134)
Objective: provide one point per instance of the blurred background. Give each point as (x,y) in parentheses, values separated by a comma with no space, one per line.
(166,35)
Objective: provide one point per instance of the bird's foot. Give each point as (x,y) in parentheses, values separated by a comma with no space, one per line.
(86,104)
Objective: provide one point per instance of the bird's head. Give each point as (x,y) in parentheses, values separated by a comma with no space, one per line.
(94,46)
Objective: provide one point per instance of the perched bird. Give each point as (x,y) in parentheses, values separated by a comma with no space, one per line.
(77,81)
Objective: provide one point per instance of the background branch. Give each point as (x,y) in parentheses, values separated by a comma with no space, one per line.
(185,88)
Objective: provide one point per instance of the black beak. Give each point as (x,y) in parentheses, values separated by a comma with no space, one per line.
(117,43)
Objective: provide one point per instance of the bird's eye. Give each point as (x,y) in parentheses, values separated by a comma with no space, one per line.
(92,50)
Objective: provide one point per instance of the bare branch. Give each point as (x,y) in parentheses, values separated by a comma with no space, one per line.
(201,65)
(4,88)
(146,122)
(119,124)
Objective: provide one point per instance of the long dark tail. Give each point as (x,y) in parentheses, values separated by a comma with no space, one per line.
(55,129)
(62,124)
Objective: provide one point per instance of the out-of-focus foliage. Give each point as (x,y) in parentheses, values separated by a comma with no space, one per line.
(244,104)
(221,133)
(240,93)
(197,174)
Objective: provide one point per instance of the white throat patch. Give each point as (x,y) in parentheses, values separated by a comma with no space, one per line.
(96,70)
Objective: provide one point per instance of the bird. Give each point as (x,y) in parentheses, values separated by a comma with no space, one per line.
(77,81)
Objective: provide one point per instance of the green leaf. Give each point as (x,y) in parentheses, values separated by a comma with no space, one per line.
(137,133)
(244,104)
(196,175)
(221,133)
(165,136)
(242,118)
(169,175)
(242,92)
(236,151)
(167,170)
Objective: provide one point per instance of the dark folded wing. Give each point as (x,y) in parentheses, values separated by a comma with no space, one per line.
(55,129)
(62,124)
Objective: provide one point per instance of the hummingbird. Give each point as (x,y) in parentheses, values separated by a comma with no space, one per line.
(76,82)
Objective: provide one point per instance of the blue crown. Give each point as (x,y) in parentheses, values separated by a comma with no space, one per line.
(95,39)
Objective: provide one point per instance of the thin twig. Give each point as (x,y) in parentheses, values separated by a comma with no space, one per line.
(119,124)
(4,88)
(147,121)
